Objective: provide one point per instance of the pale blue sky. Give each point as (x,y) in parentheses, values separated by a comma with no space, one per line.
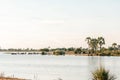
(57,23)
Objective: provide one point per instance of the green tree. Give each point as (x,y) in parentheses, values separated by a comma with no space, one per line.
(78,50)
(118,47)
(59,52)
(114,45)
(71,49)
(88,39)
(94,44)
(45,49)
(101,42)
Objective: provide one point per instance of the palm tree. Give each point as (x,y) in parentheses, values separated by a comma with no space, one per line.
(94,44)
(101,41)
(88,39)
(114,46)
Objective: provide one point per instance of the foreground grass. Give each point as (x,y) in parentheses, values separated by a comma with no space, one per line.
(102,74)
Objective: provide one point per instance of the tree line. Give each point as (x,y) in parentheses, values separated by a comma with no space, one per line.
(95,47)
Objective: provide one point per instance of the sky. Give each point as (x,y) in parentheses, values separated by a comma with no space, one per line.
(58,23)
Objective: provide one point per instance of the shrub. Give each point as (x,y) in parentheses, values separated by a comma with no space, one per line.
(43,53)
(102,74)
(59,52)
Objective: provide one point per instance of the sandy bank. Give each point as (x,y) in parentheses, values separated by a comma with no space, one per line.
(8,78)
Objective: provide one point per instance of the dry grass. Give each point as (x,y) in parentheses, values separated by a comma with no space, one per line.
(2,77)
(8,78)
(102,74)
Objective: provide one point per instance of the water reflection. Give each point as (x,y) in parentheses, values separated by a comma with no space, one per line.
(95,61)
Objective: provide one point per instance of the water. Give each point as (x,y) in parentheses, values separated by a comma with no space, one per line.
(38,67)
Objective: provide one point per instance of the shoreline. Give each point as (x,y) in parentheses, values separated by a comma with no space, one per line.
(66,53)
(9,78)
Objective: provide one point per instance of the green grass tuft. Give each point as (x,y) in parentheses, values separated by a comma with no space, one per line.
(102,74)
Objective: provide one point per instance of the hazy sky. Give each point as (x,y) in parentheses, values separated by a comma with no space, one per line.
(57,23)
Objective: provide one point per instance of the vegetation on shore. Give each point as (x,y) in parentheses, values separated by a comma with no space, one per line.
(8,78)
(3,77)
(95,48)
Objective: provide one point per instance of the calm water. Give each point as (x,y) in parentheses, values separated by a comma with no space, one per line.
(37,67)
